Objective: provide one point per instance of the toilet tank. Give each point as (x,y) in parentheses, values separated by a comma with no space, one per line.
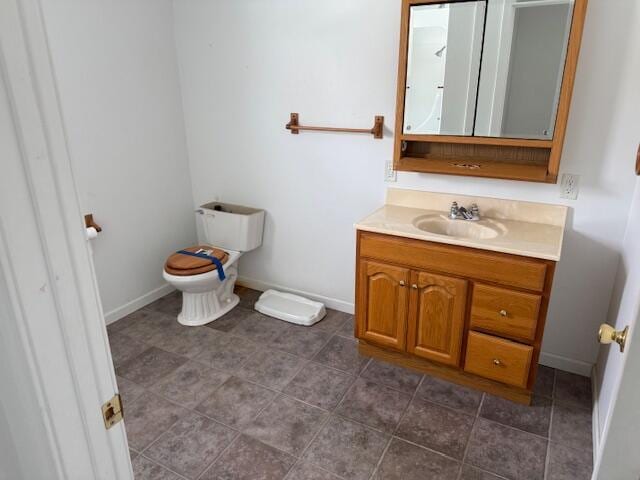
(231,227)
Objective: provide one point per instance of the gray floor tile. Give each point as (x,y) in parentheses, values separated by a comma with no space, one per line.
(507,451)
(235,403)
(392,376)
(319,385)
(170,304)
(473,473)
(185,341)
(287,424)
(271,368)
(308,471)
(568,463)
(404,461)
(571,427)
(145,469)
(347,329)
(147,417)
(449,394)
(375,405)
(128,390)
(227,352)
(147,325)
(436,427)
(532,418)
(128,320)
(133,454)
(347,449)
(124,348)
(248,296)
(301,341)
(249,459)
(332,321)
(259,328)
(572,389)
(342,353)
(544,381)
(230,319)
(190,384)
(191,445)
(150,366)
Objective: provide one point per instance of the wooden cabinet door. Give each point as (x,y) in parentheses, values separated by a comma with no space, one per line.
(382,304)
(436,319)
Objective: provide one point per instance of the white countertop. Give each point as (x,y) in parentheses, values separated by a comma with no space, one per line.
(539,236)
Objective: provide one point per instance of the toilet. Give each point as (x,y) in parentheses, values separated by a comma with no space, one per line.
(226,232)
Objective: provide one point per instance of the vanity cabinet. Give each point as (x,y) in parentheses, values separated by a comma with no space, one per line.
(436,319)
(470,316)
(384,299)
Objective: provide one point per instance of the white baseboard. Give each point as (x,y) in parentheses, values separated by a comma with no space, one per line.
(333,303)
(136,304)
(566,364)
(595,414)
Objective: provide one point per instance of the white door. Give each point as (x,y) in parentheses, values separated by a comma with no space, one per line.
(55,362)
(617,419)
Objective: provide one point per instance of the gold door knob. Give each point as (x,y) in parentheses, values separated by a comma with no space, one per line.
(414,286)
(497,362)
(607,334)
(503,313)
(402,283)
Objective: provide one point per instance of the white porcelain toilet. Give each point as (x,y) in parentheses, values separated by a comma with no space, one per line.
(228,231)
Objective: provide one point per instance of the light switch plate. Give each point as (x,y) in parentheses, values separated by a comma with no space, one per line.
(569,186)
(390,175)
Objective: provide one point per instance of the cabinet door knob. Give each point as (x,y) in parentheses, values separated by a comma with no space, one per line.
(402,283)
(414,286)
(503,313)
(497,362)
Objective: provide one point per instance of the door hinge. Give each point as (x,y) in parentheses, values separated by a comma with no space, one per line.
(112,411)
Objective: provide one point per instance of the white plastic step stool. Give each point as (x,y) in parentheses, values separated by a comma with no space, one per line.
(290,308)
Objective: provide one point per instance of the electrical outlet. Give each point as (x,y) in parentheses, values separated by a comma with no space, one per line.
(569,186)
(390,175)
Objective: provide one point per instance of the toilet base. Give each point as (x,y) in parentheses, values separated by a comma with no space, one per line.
(202,308)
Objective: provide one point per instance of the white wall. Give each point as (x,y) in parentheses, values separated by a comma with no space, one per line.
(245,65)
(117,76)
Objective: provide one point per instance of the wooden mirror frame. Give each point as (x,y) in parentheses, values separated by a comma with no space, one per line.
(490,157)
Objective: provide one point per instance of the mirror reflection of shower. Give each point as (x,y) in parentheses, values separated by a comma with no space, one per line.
(444,42)
(426,68)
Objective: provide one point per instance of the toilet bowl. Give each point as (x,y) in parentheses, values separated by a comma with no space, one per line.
(206,294)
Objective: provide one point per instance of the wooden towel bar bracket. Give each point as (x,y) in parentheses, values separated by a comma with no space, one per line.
(89,222)
(376,130)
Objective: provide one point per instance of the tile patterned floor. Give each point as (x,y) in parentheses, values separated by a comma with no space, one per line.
(249,397)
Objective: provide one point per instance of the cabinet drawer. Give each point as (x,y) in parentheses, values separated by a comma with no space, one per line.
(465,262)
(498,359)
(506,312)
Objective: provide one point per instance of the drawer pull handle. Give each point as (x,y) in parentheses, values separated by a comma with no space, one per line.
(497,362)
(414,286)
(402,283)
(503,313)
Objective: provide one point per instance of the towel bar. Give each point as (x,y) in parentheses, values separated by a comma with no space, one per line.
(376,130)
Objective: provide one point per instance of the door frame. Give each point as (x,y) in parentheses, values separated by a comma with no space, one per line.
(46,262)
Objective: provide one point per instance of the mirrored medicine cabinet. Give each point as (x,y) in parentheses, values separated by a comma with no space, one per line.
(484,86)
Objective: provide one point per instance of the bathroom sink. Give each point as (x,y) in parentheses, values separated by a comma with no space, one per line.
(441,225)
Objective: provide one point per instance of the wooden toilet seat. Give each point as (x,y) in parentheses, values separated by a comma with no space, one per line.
(185,265)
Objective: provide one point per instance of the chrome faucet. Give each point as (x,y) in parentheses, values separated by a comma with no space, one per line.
(460,213)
